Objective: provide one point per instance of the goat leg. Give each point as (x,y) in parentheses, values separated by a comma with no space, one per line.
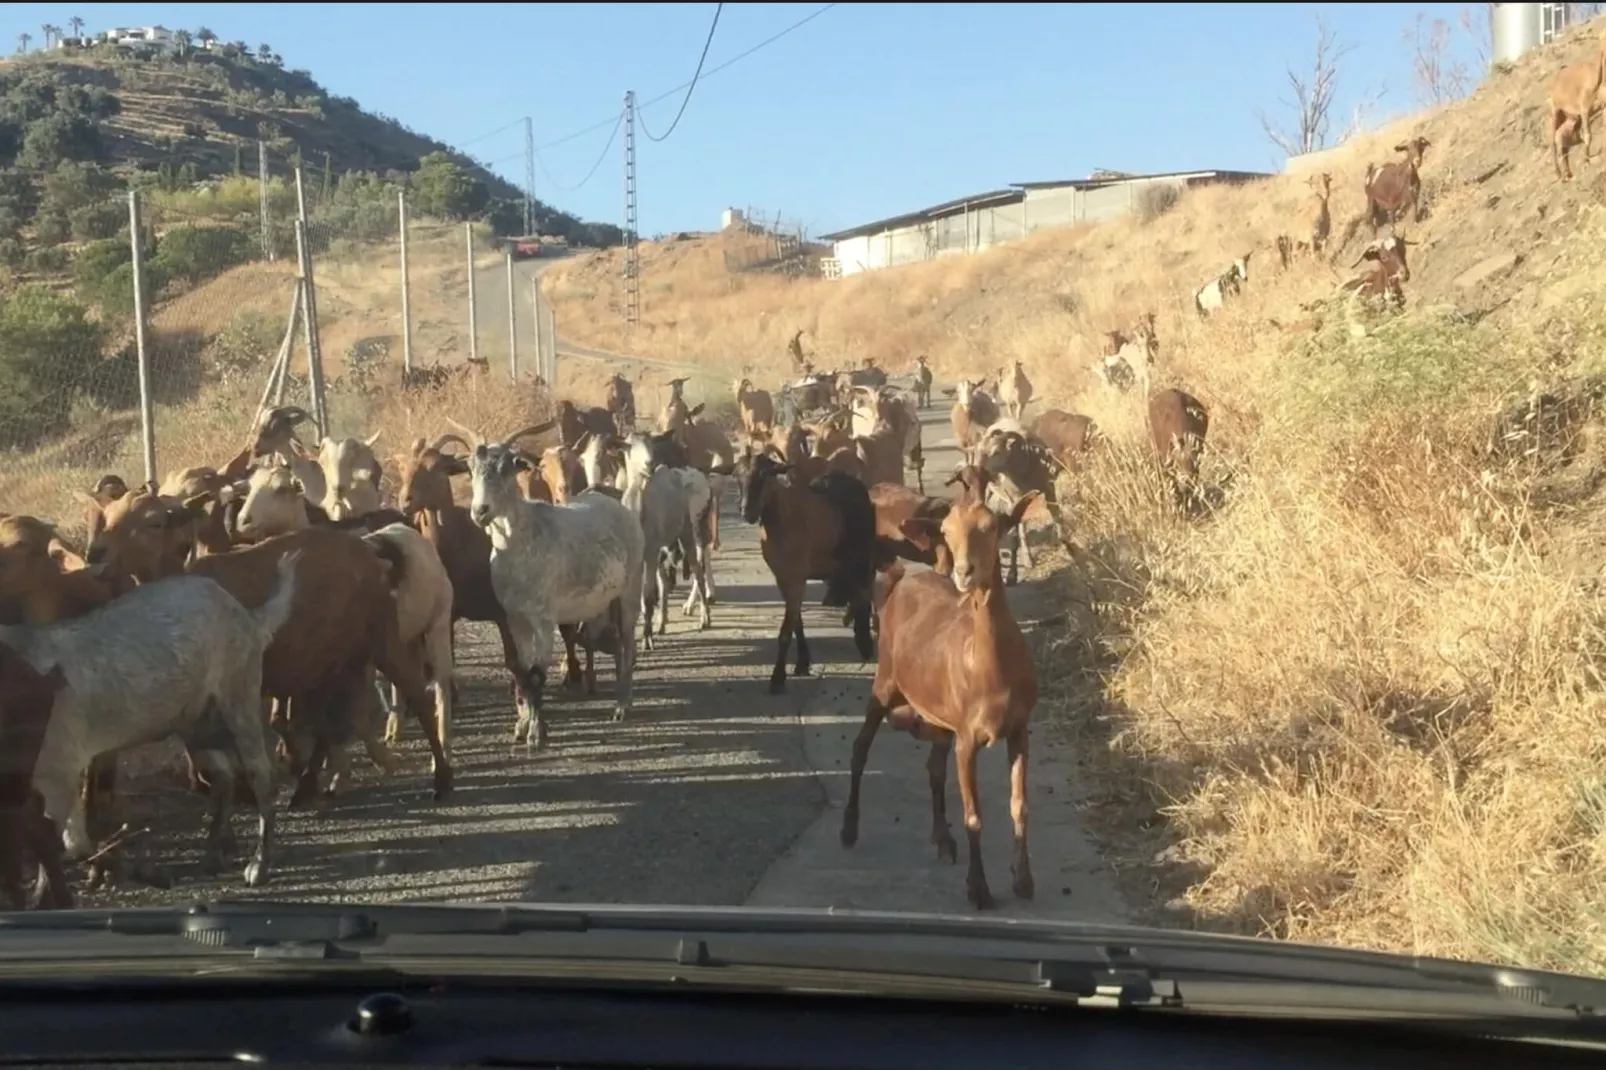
(1020,868)
(531,727)
(571,675)
(965,754)
(874,713)
(942,836)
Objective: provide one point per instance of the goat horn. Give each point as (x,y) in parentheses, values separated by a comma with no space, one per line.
(449,437)
(474,436)
(533,429)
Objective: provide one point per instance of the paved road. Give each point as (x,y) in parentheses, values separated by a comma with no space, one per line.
(714,792)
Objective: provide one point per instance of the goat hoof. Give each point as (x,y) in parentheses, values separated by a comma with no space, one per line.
(802,670)
(255,873)
(778,684)
(572,683)
(443,784)
(947,850)
(850,833)
(1024,887)
(981,898)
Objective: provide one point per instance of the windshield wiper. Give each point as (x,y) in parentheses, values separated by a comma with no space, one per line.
(1091,966)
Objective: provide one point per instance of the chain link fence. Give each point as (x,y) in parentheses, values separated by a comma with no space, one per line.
(155,323)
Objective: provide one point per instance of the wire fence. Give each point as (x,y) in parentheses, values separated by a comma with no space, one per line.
(148,334)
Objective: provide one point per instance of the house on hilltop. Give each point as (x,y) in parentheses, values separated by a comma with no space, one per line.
(143,38)
(970,224)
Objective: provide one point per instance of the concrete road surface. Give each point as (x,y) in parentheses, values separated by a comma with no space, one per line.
(713,792)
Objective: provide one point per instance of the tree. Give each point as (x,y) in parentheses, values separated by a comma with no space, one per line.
(51,33)
(22,41)
(183,39)
(1477,22)
(264,50)
(77,25)
(205,36)
(445,189)
(1313,97)
(1439,77)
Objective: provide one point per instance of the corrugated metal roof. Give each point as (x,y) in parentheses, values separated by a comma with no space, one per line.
(1017,192)
(1111,179)
(989,199)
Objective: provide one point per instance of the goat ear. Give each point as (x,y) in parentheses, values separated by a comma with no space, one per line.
(454,466)
(923,534)
(722,470)
(696,410)
(1404,146)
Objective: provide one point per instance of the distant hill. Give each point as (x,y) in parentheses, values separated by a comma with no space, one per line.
(198,114)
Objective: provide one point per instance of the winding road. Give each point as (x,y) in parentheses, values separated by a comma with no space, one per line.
(714,792)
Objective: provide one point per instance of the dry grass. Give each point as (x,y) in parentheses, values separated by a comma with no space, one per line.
(1359,703)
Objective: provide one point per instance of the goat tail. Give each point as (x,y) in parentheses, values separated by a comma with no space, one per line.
(272,614)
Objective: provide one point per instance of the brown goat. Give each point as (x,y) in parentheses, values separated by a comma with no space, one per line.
(675,409)
(1178,422)
(895,503)
(954,669)
(756,406)
(1318,218)
(974,411)
(823,530)
(1396,188)
(1386,273)
(620,401)
(1574,96)
(1067,435)
(27,698)
(573,422)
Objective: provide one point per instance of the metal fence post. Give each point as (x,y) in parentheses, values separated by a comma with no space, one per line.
(407,315)
(147,417)
(473,319)
(512,323)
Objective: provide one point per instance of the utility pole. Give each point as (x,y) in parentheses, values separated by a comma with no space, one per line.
(529,177)
(632,258)
(262,197)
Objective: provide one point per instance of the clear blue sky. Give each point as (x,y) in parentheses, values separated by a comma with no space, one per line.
(869,110)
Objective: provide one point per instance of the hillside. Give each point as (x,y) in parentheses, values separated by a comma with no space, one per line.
(208,109)
(1361,701)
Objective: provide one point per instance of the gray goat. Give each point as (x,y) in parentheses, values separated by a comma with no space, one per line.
(180,656)
(668,502)
(576,563)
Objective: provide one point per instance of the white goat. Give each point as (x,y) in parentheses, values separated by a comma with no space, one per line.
(665,500)
(576,563)
(351,475)
(1211,295)
(180,656)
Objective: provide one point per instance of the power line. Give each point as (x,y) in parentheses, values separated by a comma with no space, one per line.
(693,85)
(603,155)
(602,124)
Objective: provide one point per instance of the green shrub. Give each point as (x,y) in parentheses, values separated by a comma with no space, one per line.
(47,346)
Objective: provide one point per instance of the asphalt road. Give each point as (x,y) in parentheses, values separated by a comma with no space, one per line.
(713,792)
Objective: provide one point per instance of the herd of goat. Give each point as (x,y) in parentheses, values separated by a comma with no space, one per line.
(266,612)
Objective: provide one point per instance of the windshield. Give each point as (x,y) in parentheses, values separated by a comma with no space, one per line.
(763,456)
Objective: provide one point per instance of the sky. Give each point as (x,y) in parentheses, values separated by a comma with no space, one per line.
(867,111)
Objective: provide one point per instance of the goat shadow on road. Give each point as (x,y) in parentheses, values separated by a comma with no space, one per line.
(687,801)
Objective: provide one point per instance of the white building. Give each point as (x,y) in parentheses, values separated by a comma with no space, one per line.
(970,224)
(147,38)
